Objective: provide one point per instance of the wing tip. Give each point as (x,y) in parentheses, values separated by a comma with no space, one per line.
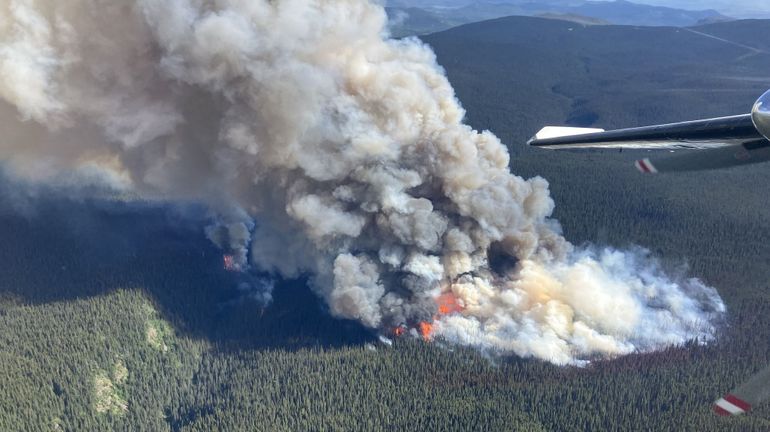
(645,166)
(731,405)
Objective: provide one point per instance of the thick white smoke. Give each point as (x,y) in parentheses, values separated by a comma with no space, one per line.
(348,151)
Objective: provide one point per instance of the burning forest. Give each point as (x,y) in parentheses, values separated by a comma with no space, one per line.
(326,149)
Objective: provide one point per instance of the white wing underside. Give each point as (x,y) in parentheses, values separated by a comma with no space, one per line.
(549,132)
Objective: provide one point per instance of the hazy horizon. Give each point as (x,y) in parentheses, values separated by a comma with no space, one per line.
(733,8)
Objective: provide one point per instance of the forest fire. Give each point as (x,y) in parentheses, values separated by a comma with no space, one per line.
(229,263)
(447,304)
(426,329)
(360,174)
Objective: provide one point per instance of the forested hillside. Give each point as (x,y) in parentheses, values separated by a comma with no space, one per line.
(118,315)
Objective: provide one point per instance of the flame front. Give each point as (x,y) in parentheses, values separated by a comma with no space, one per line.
(229,263)
(426,330)
(447,304)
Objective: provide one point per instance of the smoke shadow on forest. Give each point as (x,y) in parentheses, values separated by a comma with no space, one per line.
(59,249)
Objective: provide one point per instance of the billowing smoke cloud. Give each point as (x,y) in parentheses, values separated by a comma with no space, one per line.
(329,150)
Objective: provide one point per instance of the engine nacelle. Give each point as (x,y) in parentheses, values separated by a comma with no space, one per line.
(760,114)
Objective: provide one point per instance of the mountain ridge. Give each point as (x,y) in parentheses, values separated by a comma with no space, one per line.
(411,20)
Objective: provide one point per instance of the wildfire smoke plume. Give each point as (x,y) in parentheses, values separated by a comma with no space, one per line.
(327,149)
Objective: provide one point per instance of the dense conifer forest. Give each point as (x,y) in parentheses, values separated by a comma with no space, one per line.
(117,314)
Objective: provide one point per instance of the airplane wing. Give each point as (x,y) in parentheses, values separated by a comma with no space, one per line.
(721,142)
(699,134)
(741,399)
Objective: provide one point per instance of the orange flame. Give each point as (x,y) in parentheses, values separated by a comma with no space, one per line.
(229,262)
(425,329)
(447,304)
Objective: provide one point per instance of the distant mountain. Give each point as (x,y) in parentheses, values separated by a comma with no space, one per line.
(579,19)
(431,16)
(736,8)
(714,20)
(625,12)
(428,3)
(414,21)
